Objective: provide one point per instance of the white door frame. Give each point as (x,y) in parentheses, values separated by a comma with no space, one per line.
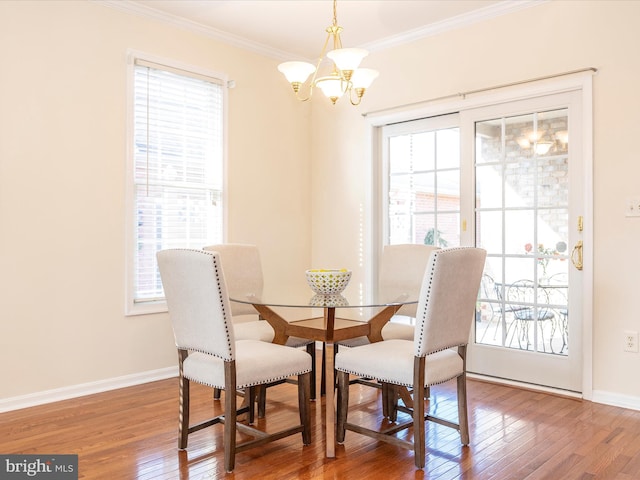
(574,82)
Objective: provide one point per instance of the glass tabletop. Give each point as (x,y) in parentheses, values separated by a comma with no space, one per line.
(345,300)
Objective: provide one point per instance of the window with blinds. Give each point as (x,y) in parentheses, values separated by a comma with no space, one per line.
(177,162)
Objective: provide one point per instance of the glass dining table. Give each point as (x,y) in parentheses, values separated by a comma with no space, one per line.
(373,313)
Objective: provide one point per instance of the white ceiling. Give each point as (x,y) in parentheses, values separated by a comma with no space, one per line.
(294,29)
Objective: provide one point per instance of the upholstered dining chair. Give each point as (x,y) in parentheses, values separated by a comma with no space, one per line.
(209,353)
(437,353)
(401,271)
(243,273)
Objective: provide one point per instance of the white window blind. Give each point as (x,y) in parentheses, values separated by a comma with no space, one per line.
(177,160)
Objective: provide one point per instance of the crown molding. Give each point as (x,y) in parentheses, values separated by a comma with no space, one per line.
(492,11)
(503,8)
(220,35)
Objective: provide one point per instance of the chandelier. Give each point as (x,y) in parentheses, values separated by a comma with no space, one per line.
(345,76)
(543,142)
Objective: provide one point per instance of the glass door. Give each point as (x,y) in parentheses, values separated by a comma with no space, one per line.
(507,177)
(527,185)
(422,182)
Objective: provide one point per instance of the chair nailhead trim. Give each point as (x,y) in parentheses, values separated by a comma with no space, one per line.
(436,254)
(394,382)
(227,320)
(263,382)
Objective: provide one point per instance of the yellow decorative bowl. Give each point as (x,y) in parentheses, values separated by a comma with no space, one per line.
(328,281)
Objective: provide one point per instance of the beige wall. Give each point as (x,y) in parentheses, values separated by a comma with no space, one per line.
(62,183)
(550,38)
(62,147)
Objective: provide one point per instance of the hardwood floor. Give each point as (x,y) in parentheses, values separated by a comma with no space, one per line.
(515,434)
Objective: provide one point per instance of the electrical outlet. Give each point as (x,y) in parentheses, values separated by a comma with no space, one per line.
(630,341)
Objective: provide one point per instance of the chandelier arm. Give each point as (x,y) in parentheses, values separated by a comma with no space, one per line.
(304,99)
(315,73)
(351,97)
(322,54)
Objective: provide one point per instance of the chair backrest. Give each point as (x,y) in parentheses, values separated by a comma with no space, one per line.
(242,272)
(448,298)
(402,269)
(198,302)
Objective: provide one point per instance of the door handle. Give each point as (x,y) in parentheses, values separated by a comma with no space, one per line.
(576,255)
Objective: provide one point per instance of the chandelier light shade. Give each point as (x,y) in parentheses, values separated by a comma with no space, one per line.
(347,59)
(296,73)
(542,142)
(345,76)
(363,78)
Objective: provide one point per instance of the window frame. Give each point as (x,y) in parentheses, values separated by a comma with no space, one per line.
(580,82)
(412,127)
(133,308)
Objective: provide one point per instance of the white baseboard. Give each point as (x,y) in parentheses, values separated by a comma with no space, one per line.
(598,396)
(526,386)
(73,391)
(616,399)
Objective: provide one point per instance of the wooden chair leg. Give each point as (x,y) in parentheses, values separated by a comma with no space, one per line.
(343,405)
(251,394)
(304,394)
(418,412)
(463,419)
(385,400)
(389,401)
(230,416)
(183,425)
(216,393)
(262,400)
(392,402)
(311,350)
